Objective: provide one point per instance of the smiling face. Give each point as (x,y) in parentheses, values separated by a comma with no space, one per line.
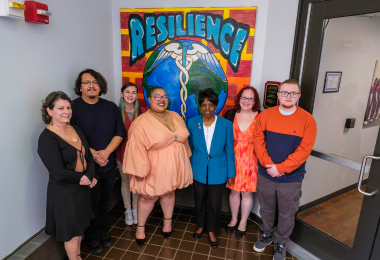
(288,101)
(247,100)
(158,106)
(129,94)
(208,108)
(89,87)
(61,112)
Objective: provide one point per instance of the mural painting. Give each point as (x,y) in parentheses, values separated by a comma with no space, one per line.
(186,50)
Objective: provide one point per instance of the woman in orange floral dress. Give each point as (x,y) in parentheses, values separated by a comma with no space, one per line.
(243,116)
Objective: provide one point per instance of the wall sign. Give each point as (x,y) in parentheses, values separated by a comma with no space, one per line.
(185,50)
(372,113)
(332,81)
(270,94)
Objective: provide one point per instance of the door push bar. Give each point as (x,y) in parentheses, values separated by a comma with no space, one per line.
(362,173)
(363,168)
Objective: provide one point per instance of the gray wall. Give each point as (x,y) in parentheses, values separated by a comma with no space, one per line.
(35,60)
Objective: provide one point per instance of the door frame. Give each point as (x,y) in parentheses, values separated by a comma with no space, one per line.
(304,67)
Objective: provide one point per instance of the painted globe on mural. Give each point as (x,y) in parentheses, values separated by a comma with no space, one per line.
(183,68)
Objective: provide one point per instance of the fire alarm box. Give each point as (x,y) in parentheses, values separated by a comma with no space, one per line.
(12,8)
(36,12)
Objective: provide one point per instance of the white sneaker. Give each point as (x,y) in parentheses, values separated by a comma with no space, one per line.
(128,216)
(134,213)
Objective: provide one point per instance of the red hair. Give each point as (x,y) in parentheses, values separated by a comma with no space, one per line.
(256,106)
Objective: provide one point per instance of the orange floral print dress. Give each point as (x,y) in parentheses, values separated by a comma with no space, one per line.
(246,162)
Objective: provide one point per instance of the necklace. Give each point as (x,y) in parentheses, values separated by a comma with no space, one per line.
(159,115)
(209,125)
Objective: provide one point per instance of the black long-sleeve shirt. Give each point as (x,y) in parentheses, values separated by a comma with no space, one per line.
(60,158)
(100,122)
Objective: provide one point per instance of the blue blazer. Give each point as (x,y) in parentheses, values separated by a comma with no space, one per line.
(221,160)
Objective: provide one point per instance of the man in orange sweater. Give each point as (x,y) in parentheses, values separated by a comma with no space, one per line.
(283,139)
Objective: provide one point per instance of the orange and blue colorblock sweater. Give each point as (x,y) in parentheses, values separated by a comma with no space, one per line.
(284,140)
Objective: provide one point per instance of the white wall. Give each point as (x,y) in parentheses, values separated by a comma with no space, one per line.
(351,45)
(273,44)
(36,60)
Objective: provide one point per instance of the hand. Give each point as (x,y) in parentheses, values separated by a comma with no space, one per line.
(230,181)
(93,152)
(272,170)
(139,178)
(93,183)
(84,181)
(104,163)
(101,156)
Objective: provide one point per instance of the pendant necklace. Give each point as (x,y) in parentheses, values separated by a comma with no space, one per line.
(159,115)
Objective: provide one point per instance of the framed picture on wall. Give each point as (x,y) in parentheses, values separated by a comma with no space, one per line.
(372,112)
(332,81)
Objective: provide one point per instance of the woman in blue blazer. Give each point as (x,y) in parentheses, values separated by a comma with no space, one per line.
(212,161)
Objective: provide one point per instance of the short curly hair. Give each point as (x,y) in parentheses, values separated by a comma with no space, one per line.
(256,106)
(49,102)
(98,77)
(210,94)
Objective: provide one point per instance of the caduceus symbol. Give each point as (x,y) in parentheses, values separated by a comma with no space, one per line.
(184,57)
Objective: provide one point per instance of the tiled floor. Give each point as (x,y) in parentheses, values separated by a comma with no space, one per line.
(181,245)
(337,217)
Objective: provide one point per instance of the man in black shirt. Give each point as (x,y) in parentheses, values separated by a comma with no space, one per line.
(103,127)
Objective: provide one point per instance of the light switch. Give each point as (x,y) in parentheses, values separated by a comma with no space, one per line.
(12,8)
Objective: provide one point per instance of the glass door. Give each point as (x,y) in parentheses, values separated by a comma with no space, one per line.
(338,65)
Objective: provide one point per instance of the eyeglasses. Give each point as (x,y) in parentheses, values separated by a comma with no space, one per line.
(158,97)
(88,83)
(292,94)
(210,106)
(251,100)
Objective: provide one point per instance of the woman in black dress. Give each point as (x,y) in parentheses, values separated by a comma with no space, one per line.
(66,154)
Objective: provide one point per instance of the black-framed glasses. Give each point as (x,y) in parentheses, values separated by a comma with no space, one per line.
(88,83)
(158,97)
(292,94)
(251,100)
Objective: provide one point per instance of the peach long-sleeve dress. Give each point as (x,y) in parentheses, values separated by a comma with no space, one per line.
(158,155)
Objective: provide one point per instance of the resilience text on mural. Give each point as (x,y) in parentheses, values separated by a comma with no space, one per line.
(227,35)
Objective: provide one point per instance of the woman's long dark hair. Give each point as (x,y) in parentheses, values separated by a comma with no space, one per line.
(121,102)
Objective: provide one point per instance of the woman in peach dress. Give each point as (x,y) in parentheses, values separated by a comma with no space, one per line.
(243,116)
(157,160)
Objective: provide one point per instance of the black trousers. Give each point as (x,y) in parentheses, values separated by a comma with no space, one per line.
(100,200)
(208,205)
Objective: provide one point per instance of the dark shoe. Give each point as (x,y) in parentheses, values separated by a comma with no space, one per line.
(279,252)
(230,229)
(196,235)
(106,240)
(166,235)
(95,247)
(213,244)
(240,233)
(140,242)
(260,245)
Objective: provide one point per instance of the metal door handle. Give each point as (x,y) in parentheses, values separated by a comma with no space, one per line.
(362,173)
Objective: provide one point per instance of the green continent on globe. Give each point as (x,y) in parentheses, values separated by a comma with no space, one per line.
(200,77)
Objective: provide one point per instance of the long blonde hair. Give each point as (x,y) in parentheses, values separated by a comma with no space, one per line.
(121,103)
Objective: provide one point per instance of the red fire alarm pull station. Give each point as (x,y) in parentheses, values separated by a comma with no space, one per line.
(36,12)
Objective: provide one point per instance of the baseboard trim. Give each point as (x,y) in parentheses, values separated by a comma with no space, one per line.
(23,244)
